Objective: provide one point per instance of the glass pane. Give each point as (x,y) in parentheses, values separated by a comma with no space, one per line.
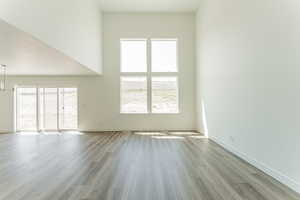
(27,109)
(164,55)
(68,108)
(41,108)
(133,56)
(164,95)
(50,109)
(133,95)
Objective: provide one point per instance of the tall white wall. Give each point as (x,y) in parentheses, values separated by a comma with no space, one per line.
(248,78)
(6,111)
(99,96)
(70,26)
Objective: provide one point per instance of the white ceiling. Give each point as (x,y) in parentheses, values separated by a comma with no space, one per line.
(25,55)
(149,5)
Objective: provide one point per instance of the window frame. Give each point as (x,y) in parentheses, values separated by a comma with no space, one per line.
(149,75)
(133,40)
(38,87)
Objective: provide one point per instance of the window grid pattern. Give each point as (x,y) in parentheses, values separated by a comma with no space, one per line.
(150,75)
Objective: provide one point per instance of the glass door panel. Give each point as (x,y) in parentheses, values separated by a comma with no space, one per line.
(46,109)
(41,109)
(49,109)
(68,108)
(27,109)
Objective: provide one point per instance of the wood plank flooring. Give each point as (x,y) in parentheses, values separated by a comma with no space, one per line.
(128,166)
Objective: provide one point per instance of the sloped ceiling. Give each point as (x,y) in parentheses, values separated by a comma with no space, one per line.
(25,55)
(72,27)
(149,5)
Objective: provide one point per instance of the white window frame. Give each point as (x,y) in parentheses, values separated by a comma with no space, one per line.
(38,128)
(17,109)
(149,74)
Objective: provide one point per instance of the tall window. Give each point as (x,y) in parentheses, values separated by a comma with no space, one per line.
(149,76)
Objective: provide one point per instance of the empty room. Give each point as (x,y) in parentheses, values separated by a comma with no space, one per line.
(149,100)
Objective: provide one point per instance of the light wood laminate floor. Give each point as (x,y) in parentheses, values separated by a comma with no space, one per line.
(127,166)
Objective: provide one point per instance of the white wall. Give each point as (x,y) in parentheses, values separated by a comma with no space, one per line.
(25,55)
(99,101)
(248,71)
(6,111)
(71,26)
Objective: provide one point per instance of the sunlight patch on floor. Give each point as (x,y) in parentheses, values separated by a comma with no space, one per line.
(51,133)
(183,133)
(168,137)
(73,133)
(27,133)
(150,133)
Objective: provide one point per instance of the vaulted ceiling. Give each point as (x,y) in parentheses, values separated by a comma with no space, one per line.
(51,37)
(63,37)
(25,55)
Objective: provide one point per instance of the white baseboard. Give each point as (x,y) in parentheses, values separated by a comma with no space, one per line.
(294,185)
(120,130)
(139,130)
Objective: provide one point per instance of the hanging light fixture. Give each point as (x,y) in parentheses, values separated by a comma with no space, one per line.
(2,77)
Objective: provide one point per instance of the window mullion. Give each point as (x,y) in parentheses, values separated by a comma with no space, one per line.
(134,56)
(149,82)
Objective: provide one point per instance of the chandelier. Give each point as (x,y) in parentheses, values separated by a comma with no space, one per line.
(2,77)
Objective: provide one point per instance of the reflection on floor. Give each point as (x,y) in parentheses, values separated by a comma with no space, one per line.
(128,166)
(24,133)
(171,135)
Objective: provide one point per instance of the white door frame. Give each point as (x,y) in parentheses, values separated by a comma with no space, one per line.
(38,127)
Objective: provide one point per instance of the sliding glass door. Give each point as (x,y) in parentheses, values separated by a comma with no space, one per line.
(46,109)
(68,108)
(27,119)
